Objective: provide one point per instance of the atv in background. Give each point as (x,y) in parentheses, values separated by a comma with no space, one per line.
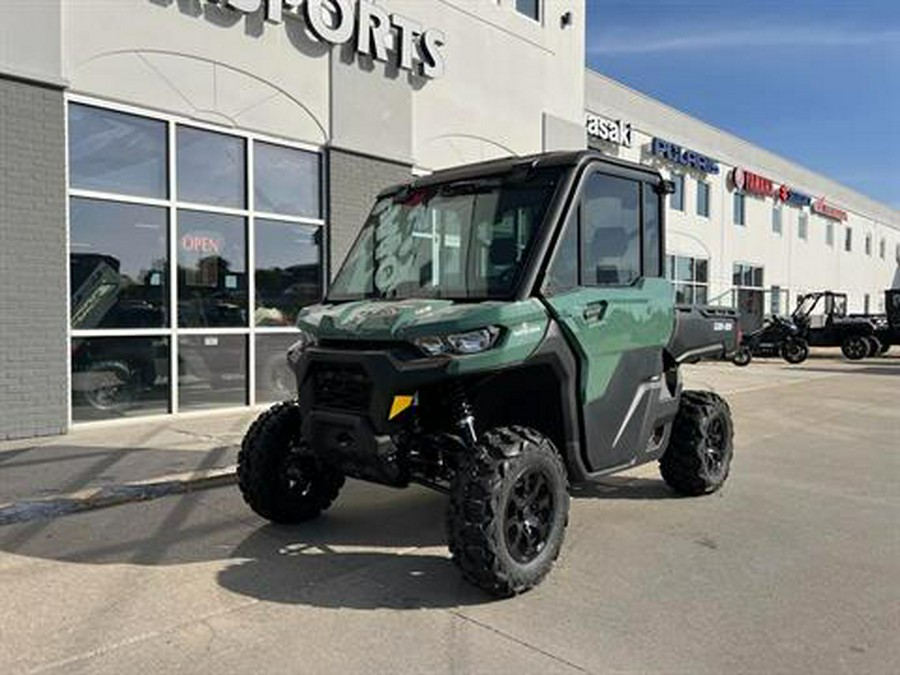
(823,321)
(777,337)
(498,332)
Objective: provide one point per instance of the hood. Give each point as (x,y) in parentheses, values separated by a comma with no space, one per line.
(405,319)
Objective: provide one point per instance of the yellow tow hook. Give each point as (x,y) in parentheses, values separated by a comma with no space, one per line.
(400,404)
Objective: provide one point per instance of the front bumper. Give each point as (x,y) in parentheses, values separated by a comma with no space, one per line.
(345,397)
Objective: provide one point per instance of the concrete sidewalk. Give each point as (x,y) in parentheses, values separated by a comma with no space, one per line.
(97,464)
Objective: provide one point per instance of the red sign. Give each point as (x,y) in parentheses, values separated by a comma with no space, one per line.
(823,208)
(748,181)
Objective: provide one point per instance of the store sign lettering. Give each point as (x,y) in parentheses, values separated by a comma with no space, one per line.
(823,208)
(200,243)
(791,196)
(747,181)
(367,26)
(678,155)
(617,131)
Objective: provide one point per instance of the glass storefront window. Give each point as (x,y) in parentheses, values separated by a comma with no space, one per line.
(286,181)
(275,381)
(212,371)
(114,152)
(212,278)
(288,271)
(118,377)
(169,269)
(211,168)
(690,277)
(118,265)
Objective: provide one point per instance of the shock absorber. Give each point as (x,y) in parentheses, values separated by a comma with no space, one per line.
(465,417)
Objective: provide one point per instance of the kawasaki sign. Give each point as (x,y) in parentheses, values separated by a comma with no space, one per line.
(372,31)
(617,131)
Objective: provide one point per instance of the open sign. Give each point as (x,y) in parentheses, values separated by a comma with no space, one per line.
(201,242)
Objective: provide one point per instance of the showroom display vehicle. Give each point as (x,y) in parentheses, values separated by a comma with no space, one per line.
(824,322)
(498,332)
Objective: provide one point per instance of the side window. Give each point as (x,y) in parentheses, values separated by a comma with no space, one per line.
(652,262)
(610,231)
(563,272)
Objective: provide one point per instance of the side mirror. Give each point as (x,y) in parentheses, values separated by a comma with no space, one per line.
(666,187)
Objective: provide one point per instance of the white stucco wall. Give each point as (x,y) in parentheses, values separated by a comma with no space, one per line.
(791,263)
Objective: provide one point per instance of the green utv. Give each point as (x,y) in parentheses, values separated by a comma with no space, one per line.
(498,332)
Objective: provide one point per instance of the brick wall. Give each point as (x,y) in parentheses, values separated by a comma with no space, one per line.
(354,181)
(33,394)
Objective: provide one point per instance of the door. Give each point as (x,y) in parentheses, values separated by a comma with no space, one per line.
(618,316)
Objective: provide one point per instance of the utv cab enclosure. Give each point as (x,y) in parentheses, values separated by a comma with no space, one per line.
(498,332)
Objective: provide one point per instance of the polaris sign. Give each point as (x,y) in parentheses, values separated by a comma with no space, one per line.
(678,155)
(617,132)
(367,26)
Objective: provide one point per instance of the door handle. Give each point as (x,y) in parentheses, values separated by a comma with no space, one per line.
(595,311)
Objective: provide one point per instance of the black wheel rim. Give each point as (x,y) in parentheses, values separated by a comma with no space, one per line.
(716,446)
(529,516)
(858,348)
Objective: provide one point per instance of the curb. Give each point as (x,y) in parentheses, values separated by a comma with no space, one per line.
(115,495)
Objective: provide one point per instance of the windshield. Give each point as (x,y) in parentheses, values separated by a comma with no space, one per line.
(466,240)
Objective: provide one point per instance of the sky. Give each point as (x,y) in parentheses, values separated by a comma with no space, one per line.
(815,81)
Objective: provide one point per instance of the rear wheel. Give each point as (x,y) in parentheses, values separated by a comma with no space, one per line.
(742,357)
(698,457)
(508,511)
(278,477)
(855,347)
(795,350)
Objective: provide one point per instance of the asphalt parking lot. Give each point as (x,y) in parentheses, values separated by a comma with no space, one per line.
(792,568)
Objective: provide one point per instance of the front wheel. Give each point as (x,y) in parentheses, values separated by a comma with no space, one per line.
(742,357)
(278,477)
(508,511)
(698,457)
(855,347)
(795,351)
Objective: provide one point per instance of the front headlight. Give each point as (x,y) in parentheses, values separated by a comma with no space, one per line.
(295,351)
(470,342)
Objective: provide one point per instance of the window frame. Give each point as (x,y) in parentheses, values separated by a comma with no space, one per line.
(693,283)
(777,220)
(704,186)
(680,182)
(539,7)
(574,217)
(172,203)
(803,226)
(742,198)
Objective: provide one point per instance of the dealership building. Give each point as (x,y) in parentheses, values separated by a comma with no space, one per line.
(179,177)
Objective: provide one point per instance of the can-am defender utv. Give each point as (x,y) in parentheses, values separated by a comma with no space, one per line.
(497,332)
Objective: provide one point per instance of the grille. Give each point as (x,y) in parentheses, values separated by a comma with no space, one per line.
(341,387)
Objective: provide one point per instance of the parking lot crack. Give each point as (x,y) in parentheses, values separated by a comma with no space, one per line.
(518,641)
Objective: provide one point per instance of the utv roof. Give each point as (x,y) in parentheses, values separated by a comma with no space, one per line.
(497,167)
